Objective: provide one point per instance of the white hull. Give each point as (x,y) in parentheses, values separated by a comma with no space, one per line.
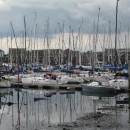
(72,79)
(96,87)
(41,80)
(75,80)
(98,79)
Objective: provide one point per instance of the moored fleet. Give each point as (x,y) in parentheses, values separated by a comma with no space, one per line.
(103,80)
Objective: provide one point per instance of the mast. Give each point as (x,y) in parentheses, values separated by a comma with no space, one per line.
(62,43)
(44,51)
(90,52)
(73,52)
(37,59)
(109,46)
(95,54)
(119,52)
(76,51)
(31,48)
(25,42)
(8,47)
(116,36)
(81,40)
(11,45)
(93,61)
(59,45)
(48,47)
(22,44)
(126,54)
(69,56)
(79,62)
(104,47)
(34,38)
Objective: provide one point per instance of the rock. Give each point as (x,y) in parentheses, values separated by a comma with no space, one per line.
(98,126)
(65,129)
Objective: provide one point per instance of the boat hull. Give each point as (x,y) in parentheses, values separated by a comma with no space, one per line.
(99,89)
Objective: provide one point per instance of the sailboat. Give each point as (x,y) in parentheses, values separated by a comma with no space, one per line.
(3,83)
(117,82)
(104,87)
(100,87)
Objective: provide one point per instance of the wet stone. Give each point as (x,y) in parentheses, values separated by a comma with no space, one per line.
(65,129)
(98,126)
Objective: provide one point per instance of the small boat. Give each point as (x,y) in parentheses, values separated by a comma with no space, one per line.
(44,80)
(99,87)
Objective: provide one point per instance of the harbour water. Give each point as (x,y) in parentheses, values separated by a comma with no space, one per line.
(34,109)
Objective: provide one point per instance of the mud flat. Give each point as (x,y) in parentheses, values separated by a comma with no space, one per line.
(90,121)
(93,121)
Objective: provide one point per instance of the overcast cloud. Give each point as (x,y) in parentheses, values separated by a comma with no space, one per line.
(71,11)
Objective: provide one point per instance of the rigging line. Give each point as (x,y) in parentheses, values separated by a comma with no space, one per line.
(7,42)
(34,21)
(101,44)
(29,39)
(15,39)
(85,48)
(121,39)
(119,52)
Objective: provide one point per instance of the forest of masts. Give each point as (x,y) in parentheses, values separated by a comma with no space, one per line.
(63,38)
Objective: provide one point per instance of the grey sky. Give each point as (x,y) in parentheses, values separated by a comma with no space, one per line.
(70,11)
(58,10)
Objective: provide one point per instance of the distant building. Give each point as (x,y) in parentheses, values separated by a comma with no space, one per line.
(1,53)
(1,56)
(17,54)
(54,56)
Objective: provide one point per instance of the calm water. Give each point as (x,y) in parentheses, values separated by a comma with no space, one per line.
(64,109)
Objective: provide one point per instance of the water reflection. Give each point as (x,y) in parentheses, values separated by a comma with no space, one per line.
(84,92)
(44,109)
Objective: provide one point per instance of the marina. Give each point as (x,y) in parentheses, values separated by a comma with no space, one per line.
(64,65)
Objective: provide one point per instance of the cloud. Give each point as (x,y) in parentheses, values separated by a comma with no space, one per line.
(4,6)
(55,43)
(71,12)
